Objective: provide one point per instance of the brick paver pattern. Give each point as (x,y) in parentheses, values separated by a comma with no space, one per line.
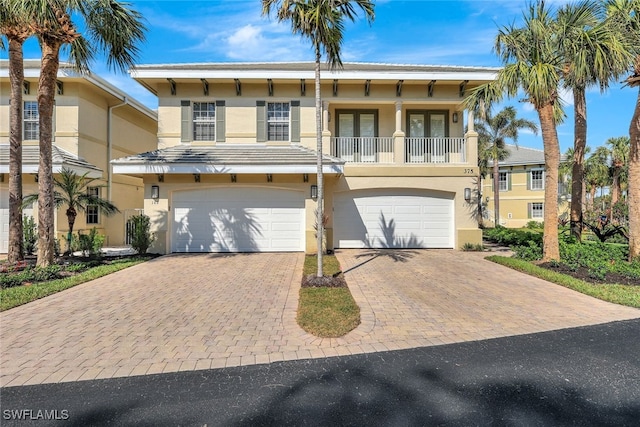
(192,312)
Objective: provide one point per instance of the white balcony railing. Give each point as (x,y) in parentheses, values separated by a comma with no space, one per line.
(435,150)
(363,149)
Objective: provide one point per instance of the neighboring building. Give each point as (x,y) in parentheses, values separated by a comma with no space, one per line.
(522,181)
(236,165)
(94,122)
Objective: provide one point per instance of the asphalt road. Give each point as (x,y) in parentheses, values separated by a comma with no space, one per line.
(586,376)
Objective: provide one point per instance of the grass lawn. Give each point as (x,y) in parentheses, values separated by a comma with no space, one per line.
(18,295)
(628,295)
(327,312)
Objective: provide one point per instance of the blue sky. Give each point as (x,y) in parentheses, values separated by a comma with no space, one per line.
(405,32)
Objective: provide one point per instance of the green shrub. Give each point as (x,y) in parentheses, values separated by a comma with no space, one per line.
(140,233)
(29,234)
(89,244)
(530,252)
(534,225)
(29,274)
(471,247)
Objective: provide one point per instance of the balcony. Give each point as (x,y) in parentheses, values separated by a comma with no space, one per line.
(383,150)
(363,149)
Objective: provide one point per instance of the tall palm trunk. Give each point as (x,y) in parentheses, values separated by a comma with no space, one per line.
(577,173)
(46,96)
(633,189)
(320,210)
(16,77)
(550,244)
(496,189)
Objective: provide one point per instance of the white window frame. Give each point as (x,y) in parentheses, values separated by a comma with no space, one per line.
(92,211)
(30,115)
(535,183)
(537,210)
(277,120)
(204,119)
(503,185)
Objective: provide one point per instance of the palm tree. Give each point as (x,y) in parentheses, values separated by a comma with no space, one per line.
(533,66)
(322,23)
(597,173)
(73,191)
(110,26)
(497,129)
(16,33)
(623,16)
(592,54)
(619,155)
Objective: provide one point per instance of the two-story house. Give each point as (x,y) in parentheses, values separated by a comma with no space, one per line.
(93,123)
(235,168)
(521,185)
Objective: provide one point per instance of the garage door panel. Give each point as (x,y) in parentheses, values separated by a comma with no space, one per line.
(382,219)
(238,220)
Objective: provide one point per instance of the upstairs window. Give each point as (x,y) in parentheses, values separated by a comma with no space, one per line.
(278,121)
(204,121)
(536,180)
(503,181)
(31,119)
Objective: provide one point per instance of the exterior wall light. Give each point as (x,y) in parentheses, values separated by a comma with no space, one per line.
(155,192)
(455,117)
(314,192)
(467,194)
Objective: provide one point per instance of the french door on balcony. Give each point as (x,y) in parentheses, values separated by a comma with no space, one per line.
(424,127)
(357,131)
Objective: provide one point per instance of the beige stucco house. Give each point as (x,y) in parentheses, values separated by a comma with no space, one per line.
(522,184)
(94,122)
(235,168)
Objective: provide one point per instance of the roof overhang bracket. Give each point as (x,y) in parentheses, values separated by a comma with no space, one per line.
(367,86)
(303,87)
(26,87)
(432,83)
(172,84)
(335,87)
(463,87)
(238,87)
(399,87)
(59,87)
(270,86)
(205,87)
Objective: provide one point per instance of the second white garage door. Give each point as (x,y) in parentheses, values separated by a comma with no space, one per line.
(393,218)
(238,220)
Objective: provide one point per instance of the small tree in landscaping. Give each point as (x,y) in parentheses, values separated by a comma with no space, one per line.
(29,233)
(140,233)
(73,191)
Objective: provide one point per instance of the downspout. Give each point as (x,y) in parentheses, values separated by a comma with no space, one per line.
(109,147)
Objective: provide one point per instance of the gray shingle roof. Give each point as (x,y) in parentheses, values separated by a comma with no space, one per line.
(524,156)
(60,158)
(253,155)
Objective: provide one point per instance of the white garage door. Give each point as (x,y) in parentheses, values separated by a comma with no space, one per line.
(238,220)
(4,220)
(393,218)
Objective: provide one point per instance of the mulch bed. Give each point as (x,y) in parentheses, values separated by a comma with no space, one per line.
(582,273)
(313,281)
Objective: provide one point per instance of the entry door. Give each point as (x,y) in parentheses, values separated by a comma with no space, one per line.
(432,126)
(362,128)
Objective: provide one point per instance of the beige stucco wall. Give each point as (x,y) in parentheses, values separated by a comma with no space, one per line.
(80,127)
(514,202)
(240,111)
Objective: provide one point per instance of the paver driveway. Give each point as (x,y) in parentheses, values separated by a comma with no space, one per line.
(188,312)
